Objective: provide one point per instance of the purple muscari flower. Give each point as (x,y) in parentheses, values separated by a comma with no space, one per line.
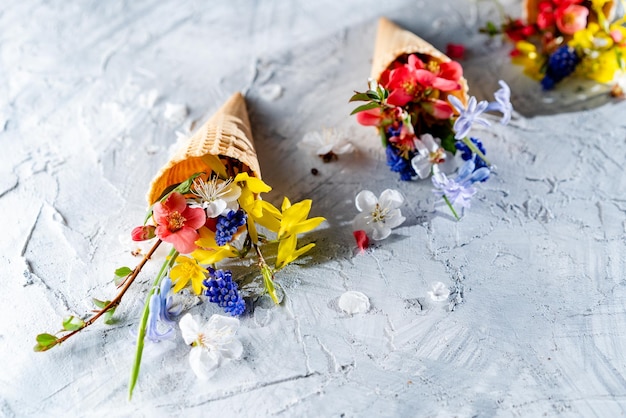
(502,103)
(162,310)
(468,116)
(400,165)
(221,289)
(227,226)
(459,191)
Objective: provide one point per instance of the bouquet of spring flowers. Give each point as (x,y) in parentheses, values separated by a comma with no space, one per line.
(205,203)
(417,99)
(560,38)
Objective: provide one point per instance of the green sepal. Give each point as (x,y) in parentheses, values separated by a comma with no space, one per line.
(490,29)
(367,106)
(72,323)
(45,342)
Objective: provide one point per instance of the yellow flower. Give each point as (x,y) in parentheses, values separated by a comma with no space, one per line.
(294,220)
(287,251)
(264,213)
(185,270)
(209,252)
(526,55)
(602,68)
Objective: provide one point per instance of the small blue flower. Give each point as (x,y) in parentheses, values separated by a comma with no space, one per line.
(561,64)
(466,152)
(391,131)
(221,289)
(468,116)
(162,311)
(502,103)
(459,190)
(227,226)
(400,165)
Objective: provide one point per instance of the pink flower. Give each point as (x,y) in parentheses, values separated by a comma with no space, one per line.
(438,108)
(177,223)
(370,117)
(572,18)
(142,233)
(410,81)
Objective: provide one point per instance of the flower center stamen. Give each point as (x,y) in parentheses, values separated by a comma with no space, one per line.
(175,221)
(437,157)
(379,214)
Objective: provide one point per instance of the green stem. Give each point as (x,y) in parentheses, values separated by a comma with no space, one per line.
(445,198)
(268,275)
(383,137)
(467,141)
(144,321)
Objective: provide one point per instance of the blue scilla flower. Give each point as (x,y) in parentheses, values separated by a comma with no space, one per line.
(469,115)
(227,225)
(398,164)
(459,190)
(162,311)
(391,131)
(221,289)
(561,64)
(502,103)
(466,152)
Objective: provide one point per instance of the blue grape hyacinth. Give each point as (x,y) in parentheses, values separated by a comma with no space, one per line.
(227,226)
(561,64)
(221,289)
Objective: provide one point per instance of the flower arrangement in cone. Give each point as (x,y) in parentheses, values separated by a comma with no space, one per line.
(417,99)
(561,38)
(206,204)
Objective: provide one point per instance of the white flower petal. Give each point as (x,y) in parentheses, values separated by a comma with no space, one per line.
(343,148)
(421,147)
(353,302)
(324,149)
(380,231)
(391,199)
(189,328)
(430,142)
(394,219)
(422,165)
(366,201)
(215,208)
(232,350)
(222,324)
(204,363)
(363,221)
(232,193)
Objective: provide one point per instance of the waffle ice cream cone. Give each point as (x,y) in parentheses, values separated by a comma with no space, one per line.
(226,135)
(393,42)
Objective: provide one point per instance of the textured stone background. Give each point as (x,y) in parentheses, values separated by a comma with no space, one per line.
(536,325)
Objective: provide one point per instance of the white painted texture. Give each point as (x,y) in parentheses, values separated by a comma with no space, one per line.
(535,324)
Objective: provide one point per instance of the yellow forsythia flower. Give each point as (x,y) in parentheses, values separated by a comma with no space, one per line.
(185,270)
(209,252)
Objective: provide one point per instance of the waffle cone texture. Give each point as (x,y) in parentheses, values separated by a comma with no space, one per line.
(393,42)
(226,135)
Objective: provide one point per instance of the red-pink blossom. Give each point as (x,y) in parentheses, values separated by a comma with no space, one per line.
(362,241)
(142,233)
(370,117)
(455,51)
(572,18)
(438,108)
(177,223)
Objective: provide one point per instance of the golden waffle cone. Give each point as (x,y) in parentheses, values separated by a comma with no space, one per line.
(531,11)
(226,134)
(392,42)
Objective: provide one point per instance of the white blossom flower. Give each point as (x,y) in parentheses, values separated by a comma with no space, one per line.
(213,344)
(429,153)
(378,216)
(327,141)
(218,196)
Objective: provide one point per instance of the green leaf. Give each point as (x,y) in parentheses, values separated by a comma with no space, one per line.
(45,342)
(108,316)
(72,323)
(100,303)
(148,216)
(364,107)
(123,271)
(360,97)
(185,186)
(490,29)
(449,143)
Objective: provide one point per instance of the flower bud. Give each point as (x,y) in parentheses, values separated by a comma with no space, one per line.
(142,233)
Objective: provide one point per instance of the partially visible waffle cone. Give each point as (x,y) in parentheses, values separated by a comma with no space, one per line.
(226,135)
(531,11)
(393,42)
